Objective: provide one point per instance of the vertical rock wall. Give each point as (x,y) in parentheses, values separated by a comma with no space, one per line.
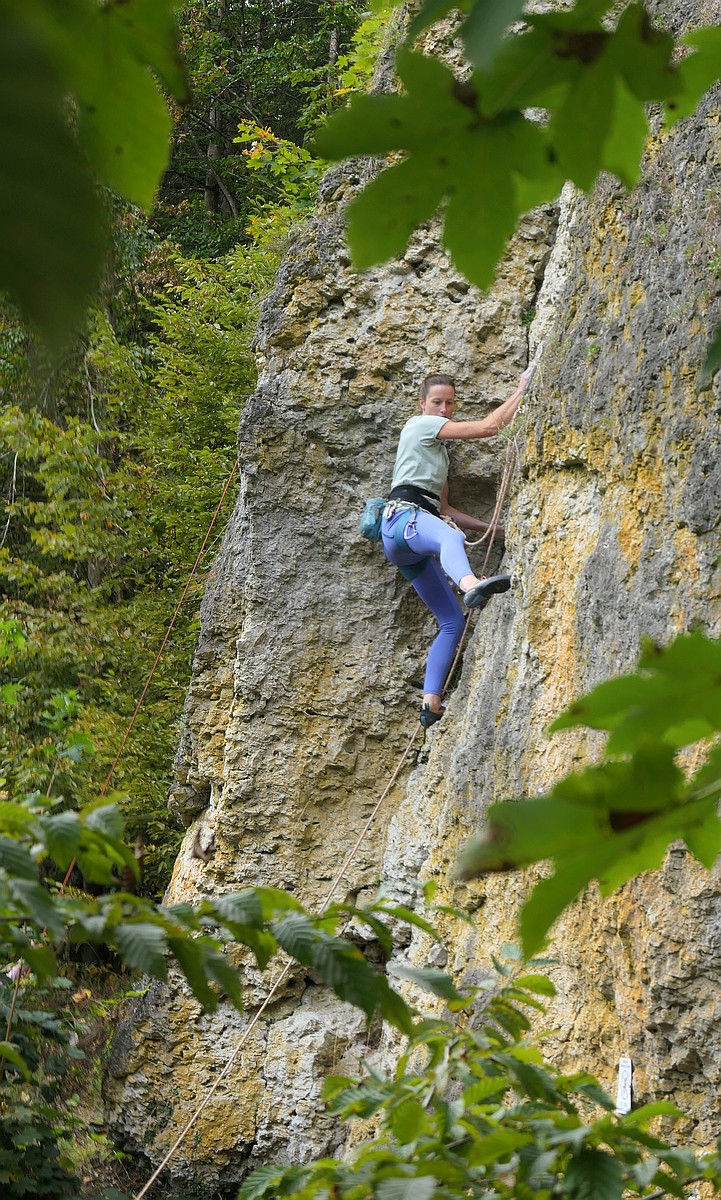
(306,678)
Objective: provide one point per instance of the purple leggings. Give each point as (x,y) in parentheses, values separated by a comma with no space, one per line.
(430,538)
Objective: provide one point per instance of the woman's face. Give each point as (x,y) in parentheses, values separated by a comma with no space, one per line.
(439,402)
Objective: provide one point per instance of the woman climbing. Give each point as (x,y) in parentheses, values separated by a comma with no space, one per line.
(420,526)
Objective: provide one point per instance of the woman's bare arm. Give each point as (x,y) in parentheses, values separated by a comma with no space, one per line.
(493,423)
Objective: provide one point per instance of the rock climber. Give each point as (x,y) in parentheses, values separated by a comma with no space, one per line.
(420,527)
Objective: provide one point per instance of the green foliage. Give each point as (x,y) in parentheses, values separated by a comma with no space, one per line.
(473,1109)
(102,63)
(272,66)
(353,71)
(288,176)
(112,474)
(617,818)
(471,143)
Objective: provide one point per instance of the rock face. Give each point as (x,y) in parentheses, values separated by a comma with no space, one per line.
(312,648)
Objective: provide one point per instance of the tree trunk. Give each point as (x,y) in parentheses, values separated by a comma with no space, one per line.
(215,122)
(212,191)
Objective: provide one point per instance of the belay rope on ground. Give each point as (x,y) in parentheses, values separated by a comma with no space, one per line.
(508,468)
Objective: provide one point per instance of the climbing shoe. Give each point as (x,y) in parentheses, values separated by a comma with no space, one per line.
(429,717)
(478,596)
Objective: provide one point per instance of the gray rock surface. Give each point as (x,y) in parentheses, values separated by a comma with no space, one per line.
(311,653)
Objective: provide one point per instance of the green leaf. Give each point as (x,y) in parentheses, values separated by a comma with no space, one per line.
(528,831)
(243,908)
(105,818)
(393,1007)
(647,1112)
(50,217)
(408,1121)
(62,836)
(189,953)
(41,960)
(383,217)
(712,361)
(333,1084)
(642,54)
(536,983)
(551,896)
(491,1085)
(78,745)
(579,128)
(626,138)
(15,818)
(408,915)
(698,72)
(704,839)
(430,980)
(419,1187)
(527,71)
(225,975)
(124,121)
(297,935)
(345,969)
(497,1146)
(675,696)
(261,1182)
(150,33)
(17,860)
(37,906)
(143,945)
(274,901)
(594,1175)
(11,1054)
(482,213)
(484,27)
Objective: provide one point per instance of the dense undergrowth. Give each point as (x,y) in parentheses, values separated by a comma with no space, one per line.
(112,460)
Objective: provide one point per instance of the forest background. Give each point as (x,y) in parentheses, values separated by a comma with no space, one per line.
(115,444)
(114,451)
(113,455)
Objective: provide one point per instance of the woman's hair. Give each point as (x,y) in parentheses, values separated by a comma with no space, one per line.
(431,381)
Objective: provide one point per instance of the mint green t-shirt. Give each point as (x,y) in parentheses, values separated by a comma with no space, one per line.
(422,459)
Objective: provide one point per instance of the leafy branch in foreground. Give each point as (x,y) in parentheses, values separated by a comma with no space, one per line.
(33,922)
(476,144)
(617,818)
(473,1110)
(102,64)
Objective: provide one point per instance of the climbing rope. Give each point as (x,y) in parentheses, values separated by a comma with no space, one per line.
(283,975)
(509,464)
(511,456)
(192,1121)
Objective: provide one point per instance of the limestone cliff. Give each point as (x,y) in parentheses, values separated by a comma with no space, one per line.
(306,678)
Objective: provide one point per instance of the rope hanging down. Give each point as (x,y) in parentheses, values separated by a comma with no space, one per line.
(510,459)
(511,455)
(283,975)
